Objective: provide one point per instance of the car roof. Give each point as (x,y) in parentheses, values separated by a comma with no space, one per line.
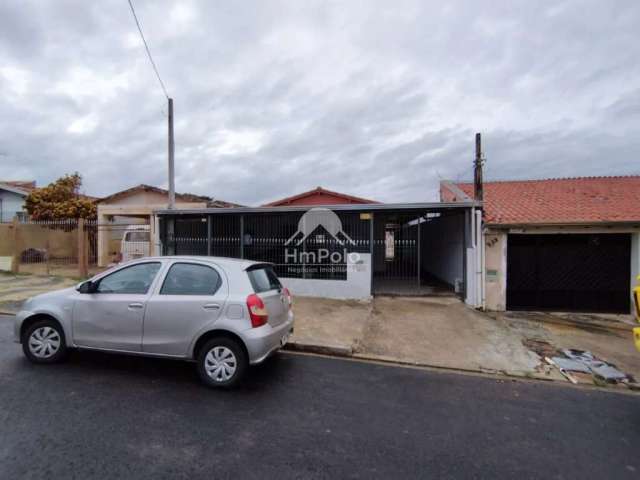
(240,263)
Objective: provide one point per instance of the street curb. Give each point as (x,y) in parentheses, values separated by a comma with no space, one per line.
(324,349)
(479,370)
(339,351)
(13,314)
(347,352)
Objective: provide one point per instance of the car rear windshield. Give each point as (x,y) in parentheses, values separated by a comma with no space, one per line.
(263,279)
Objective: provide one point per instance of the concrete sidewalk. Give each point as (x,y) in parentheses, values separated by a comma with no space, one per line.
(437,331)
(443,332)
(15,289)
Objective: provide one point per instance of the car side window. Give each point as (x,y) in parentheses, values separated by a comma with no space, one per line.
(190,279)
(134,279)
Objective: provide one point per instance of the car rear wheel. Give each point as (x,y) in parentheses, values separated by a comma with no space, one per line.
(44,342)
(222,362)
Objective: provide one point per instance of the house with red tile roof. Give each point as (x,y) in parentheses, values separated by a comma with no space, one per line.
(319,196)
(558,244)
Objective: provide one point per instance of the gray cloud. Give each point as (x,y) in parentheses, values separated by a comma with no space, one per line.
(376,99)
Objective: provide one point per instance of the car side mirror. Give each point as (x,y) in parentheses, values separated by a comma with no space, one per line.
(87,287)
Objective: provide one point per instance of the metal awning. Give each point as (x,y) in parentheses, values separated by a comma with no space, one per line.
(368,207)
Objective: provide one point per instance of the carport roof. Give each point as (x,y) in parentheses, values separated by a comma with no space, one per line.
(371,207)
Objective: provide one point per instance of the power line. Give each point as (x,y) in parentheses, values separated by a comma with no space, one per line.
(153,64)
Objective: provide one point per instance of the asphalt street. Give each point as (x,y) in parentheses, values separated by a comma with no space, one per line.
(107,416)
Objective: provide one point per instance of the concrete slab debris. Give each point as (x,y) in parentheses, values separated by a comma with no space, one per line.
(584,361)
(571,365)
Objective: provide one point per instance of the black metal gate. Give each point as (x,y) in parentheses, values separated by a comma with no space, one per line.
(270,237)
(396,254)
(569,272)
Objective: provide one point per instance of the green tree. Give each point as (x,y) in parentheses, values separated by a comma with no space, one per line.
(60,200)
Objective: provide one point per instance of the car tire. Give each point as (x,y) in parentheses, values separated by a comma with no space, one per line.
(222,363)
(44,342)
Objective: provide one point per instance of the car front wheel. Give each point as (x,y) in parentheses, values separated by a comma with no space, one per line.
(222,362)
(44,342)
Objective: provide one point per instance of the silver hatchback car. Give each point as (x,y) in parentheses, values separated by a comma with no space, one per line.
(223,313)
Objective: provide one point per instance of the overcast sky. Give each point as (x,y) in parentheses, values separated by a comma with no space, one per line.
(376,99)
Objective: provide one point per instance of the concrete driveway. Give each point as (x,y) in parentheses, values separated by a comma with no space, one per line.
(435,331)
(443,331)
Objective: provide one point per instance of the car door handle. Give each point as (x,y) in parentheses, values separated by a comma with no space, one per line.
(135,305)
(211,306)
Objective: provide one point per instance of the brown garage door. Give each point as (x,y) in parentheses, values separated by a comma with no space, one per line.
(582,273)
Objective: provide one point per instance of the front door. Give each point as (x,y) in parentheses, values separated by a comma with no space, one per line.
(111,317)
(192,296)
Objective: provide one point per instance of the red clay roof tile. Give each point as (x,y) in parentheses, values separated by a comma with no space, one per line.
(561,200)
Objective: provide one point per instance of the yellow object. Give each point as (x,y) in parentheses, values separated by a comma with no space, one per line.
(636,299)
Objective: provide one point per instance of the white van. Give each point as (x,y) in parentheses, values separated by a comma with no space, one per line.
(135,242)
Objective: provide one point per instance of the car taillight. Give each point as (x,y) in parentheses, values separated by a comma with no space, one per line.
(257,310)
(287,295)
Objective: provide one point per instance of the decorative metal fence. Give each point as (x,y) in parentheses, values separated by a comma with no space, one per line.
(269,237)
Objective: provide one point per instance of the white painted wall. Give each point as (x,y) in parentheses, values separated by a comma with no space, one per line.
(356,286)
(442,248)
(471,294)
(475,281)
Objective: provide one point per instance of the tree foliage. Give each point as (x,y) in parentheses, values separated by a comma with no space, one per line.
(60,200)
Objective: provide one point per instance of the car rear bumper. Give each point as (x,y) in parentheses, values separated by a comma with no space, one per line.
(263,341)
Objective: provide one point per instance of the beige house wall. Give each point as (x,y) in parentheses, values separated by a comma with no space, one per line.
(495,270)
(137,206)
(138,199)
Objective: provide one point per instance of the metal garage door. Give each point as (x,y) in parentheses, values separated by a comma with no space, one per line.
(581,272)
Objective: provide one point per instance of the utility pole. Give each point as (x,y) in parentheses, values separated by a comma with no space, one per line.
(477,170)
(172,186)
